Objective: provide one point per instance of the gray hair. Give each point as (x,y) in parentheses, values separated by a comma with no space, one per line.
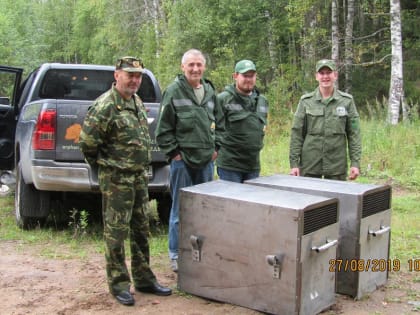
(193,52)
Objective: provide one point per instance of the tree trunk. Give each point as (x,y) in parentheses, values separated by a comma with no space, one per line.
(335,34)
(396,90)
(272,52)
(348,46)
(308,49)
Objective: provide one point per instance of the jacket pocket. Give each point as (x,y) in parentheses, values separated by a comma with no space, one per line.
(315,121)
(340,120)
(186,121)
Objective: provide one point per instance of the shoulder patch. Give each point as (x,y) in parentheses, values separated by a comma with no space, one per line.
(307,95)
(344,94)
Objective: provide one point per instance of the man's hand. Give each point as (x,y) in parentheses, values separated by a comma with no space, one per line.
(354,172)
(177,157)
(295,171)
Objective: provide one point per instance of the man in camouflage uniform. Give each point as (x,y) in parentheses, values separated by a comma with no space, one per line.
(115,140)
(326,124)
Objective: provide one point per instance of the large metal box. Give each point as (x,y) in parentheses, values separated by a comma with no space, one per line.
(258,247)
(362,262)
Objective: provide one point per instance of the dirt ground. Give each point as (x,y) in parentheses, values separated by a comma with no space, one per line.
(31,284)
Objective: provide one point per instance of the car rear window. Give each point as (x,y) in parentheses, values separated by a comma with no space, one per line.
(81,84)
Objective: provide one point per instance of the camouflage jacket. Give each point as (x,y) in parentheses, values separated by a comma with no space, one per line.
(115,133)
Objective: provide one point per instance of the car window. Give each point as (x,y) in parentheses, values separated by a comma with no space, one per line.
(75,84)
(147,89)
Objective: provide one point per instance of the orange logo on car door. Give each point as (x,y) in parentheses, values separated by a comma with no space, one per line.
(73,133)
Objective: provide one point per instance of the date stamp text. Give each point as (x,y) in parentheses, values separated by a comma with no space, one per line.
(372,265)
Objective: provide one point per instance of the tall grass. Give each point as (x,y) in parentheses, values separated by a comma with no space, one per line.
(389,153)
(392,153)
(405,223)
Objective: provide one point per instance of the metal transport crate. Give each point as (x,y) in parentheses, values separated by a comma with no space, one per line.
(257,247)
(362,262)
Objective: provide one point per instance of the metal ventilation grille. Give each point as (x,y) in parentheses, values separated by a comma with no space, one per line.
(376,202)
(318,218)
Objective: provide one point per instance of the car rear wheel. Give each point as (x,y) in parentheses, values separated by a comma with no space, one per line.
(31,205)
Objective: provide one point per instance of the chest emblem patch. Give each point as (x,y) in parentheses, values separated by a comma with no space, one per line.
(341,111)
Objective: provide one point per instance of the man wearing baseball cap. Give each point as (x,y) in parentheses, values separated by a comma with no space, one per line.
(115,140)
(245,110)
(326,126)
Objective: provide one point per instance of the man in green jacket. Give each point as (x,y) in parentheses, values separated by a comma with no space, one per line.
(326,124)
(188,132)
(245,111)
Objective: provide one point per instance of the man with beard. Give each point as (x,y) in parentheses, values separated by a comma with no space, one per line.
(245,111)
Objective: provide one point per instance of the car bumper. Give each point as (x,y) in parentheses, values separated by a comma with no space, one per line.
(79,177)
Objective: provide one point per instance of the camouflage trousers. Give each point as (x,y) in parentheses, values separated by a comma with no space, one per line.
(124,201)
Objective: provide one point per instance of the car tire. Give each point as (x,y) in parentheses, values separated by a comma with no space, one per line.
(31,205)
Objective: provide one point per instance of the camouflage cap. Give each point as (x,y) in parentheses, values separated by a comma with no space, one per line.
(326,63)
(129,64)
(245,66)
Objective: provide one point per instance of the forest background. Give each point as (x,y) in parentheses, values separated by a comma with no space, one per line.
(284,38)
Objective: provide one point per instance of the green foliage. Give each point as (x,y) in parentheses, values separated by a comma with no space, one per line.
(283,37)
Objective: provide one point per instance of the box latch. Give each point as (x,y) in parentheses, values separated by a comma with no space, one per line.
(276,261)
(196,242)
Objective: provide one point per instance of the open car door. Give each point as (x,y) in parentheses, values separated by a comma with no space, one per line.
(10,79)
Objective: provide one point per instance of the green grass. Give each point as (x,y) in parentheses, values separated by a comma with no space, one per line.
(405,228)
(63,242)
(52,241)
(389,153)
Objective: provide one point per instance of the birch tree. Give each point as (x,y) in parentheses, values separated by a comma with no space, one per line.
(348,46)
(335,35)
(396,90)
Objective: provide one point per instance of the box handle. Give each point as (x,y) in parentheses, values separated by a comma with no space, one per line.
(382,230)
(324,247)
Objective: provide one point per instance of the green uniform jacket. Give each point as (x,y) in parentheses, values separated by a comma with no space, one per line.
(115,133)
(322,132)
(245,123)
(187,127)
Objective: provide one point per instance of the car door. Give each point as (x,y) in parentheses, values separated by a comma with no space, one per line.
(10,78)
